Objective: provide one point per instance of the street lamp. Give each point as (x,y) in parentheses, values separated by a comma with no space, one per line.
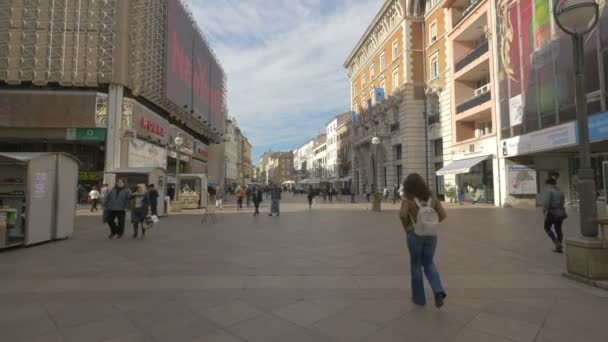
(375,143)
(178,141)
(576,18)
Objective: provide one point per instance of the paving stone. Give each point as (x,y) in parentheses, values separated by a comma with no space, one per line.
(505,327)
(231,313)
(264,328)
(344,328)
(302,313)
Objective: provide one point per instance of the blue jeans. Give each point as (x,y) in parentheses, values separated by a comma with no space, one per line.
(422,250)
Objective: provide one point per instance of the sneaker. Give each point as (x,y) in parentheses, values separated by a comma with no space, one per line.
(439,297)
(558,248)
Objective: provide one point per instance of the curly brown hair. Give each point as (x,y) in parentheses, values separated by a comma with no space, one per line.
(414,186)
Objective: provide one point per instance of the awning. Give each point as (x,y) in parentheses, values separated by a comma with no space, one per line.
(461,166)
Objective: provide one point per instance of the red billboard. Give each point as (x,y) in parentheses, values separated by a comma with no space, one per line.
(194,80)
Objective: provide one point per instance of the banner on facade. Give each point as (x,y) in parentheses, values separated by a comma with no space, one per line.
(516,110)
(522,180)
(145,154)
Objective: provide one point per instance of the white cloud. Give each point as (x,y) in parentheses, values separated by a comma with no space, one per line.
(283,60)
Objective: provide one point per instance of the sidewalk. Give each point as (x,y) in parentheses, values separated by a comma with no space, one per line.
(337,272)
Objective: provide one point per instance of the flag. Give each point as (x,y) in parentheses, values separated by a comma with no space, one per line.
(379,92)
(370,108)
(353,117)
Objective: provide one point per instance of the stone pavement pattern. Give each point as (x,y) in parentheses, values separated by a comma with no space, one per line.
(336,273)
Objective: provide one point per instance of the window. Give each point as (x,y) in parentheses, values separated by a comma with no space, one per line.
(434,64)
(433,32)
(356,90)
(398,152)
(438,148)
(382,62)
(383,85)
(371,96)
(395,79)
(395,50)
(363,83)
(371,72)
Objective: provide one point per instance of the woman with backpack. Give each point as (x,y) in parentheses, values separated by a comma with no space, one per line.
(421,215)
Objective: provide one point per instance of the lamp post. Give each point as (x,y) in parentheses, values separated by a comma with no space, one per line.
(576,18)
(178,141)
(375,143)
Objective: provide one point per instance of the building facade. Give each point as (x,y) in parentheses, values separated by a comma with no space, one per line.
(437,90)
(386,72)
(238,151)
(472,86)
(103,81)
(319,170)
(331,133)
(536,101)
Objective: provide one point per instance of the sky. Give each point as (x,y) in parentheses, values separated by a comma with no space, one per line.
(284,62)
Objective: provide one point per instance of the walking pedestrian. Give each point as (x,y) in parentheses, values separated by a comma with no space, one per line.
(331,194)
(153,196)
(116,203)
(396,193)
(420,210)
(310,197)
(385,193)
(219,197)
(103,193)
(240,196)
(555,213)
(94,195)
(140,202)
(257,199)
(171,192)
(275,198)
(82,194)
(460,195)
(325,196)
(249,192)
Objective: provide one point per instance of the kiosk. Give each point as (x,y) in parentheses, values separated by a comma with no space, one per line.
(145,175)
(192,190)
(37,197)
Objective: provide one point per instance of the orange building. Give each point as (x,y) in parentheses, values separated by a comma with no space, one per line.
(389,56)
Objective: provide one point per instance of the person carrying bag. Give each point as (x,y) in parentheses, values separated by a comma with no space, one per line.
(421,216)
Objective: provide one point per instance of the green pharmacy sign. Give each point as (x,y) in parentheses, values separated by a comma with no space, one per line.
(86,134)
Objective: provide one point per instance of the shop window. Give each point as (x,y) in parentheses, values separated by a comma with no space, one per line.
(592,76)
(565,79)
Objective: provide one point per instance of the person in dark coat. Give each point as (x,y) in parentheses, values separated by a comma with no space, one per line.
(171,192)
(257,199)
(153,195)
(116,202)
(310,197)
(140,202)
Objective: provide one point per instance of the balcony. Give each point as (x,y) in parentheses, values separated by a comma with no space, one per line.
(477,52)
(434,119)
(480,98)
(466,11)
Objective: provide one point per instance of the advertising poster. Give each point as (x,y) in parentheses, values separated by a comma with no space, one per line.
(522,180)
(144,154)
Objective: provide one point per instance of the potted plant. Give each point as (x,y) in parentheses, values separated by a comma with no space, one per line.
(450,192)
(377,201)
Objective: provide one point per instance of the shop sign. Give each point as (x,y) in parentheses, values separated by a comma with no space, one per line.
(128,134)
(88,176)
(145,154)
(201,150)
(85,134)
(149,125)
(598,127)
(182,157)
(546,139)
(522,180)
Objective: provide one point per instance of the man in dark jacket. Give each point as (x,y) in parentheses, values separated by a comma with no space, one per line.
(116,203)
(153,196)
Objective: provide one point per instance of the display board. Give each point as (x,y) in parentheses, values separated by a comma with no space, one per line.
(522,180)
